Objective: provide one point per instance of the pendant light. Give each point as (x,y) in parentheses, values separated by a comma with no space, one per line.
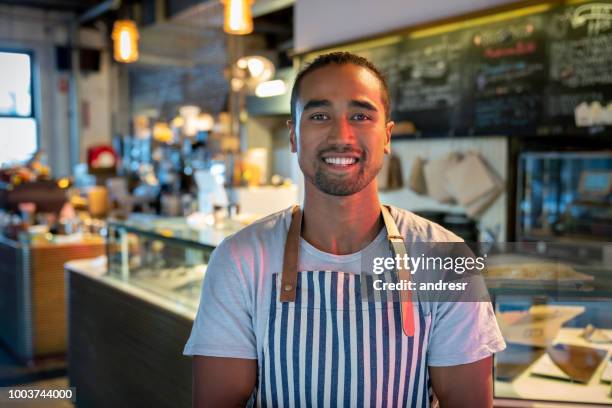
(238,18)
(125,41)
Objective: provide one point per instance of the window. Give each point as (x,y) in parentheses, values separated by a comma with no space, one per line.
(18,138)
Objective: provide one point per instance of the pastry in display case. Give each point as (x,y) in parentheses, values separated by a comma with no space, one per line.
(164,256)
(554,314)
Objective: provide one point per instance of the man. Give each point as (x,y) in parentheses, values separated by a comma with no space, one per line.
(267,335)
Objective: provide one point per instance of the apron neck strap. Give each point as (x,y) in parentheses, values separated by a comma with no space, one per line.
(291,256)
(398,248)
(392,231)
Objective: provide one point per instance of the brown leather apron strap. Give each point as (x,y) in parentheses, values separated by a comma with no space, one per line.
(290,258)
(396,243)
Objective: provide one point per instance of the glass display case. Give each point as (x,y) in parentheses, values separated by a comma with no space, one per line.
(565,195)
(552,303)
(164,256)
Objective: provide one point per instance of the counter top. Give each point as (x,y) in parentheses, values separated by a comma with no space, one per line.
(96,269)
(56,241)
(546,390)
(177,229)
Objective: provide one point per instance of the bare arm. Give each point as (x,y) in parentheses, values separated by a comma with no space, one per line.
(465,385)
(223,382)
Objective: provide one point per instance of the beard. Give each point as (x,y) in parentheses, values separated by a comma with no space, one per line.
(336,185)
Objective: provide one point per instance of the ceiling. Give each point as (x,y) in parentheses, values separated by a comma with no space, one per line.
(60,5)
(187,39)
(183,52)
(195,35)
(185,33)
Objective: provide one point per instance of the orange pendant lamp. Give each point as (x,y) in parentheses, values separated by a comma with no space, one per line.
(125,41)
(238,18)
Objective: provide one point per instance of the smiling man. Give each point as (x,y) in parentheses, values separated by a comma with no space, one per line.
(282,320)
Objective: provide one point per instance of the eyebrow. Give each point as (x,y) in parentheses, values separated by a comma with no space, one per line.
(325,103)
(317,103)
(363,104)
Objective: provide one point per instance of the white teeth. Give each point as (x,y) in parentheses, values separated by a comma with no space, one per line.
(340,161)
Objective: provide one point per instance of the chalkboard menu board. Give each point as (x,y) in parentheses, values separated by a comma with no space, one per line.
(580,64)
(549,72)
(505,73)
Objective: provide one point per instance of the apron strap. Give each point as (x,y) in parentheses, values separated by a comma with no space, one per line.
(290,258)
(396,243)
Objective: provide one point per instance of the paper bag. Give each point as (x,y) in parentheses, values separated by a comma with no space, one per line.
(416,181)
(390,175)
(473,184)
(477,207)
(395,178)
(435,170)
(470,179)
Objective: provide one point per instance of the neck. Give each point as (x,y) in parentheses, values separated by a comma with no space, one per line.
(341,225)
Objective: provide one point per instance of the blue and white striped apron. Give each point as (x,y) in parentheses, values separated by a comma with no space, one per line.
(333,348)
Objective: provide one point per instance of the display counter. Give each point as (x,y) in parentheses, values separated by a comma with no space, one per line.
(32,292)
(529,385)
(554,314)
(125,342)
(130,318)
(131,313)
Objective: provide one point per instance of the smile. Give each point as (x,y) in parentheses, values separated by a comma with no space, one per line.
(340,161)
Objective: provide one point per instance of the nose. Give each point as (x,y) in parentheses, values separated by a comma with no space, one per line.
(342,130)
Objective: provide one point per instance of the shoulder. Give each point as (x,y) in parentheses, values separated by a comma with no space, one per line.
(264,232)
(250,253)
(415,228)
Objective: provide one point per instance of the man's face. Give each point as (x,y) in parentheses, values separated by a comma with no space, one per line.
(341,134)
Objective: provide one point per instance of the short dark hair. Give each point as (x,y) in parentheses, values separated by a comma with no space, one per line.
(339,58)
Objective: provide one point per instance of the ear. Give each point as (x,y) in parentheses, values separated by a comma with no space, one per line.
(292,136)
(388,131)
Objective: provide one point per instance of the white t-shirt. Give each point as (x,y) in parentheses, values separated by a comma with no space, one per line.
(236,294)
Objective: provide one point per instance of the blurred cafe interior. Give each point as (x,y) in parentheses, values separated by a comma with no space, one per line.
(135,135)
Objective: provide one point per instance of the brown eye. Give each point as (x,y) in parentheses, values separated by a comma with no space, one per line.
(319,116)
(360,117)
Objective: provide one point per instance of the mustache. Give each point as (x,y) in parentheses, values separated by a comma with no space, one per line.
(347,148)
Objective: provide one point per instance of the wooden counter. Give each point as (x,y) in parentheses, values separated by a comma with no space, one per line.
(32,294)
(126,343)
